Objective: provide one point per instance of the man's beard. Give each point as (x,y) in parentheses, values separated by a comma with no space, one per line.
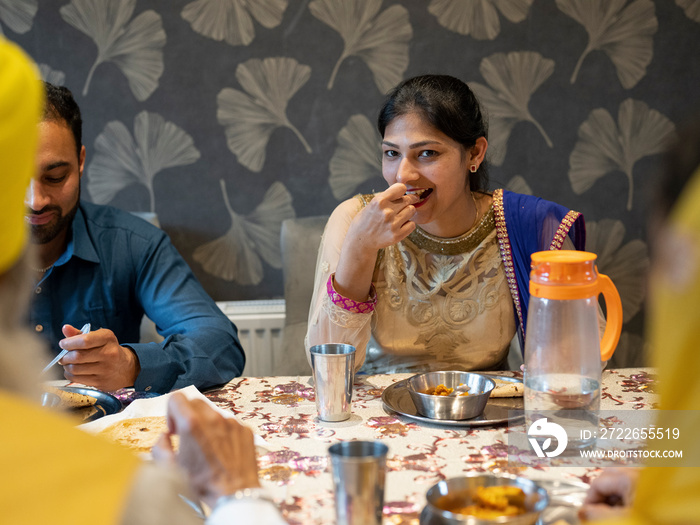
(45,233)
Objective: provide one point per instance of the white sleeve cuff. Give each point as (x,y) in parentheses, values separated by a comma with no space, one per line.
(245,510)
(246,506)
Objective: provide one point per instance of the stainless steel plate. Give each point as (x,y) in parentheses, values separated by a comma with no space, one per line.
(498,410)
(105,404)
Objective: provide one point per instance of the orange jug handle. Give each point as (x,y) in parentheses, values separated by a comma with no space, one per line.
(613,326)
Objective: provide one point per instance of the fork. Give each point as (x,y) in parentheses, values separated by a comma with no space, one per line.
(84,330)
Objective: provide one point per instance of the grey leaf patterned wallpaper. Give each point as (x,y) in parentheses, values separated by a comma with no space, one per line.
(226,117)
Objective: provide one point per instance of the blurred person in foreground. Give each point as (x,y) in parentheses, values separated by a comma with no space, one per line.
(668,494)
(53,472)
(105,266)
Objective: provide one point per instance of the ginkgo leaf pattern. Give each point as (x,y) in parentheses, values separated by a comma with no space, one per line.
(52,76)
(627,265)
(122,159)
(624,33)
(18,15)
(136,47)
(250,118)
(357,157)
(605,146)
(255,85)
(511,79)
(380,40)
(236,256)
(518,184)
(478,18)
(232,20)
(691,8)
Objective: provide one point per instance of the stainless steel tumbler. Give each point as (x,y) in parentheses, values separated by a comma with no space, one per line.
(359,471)
(334,372)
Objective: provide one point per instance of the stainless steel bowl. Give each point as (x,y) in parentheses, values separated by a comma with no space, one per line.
(458,491)
(452,407)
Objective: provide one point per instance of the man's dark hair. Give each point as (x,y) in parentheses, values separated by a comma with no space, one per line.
(61,107)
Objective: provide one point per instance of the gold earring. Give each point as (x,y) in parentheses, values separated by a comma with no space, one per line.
(473,168)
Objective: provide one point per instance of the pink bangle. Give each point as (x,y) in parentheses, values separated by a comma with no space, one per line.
(348,304)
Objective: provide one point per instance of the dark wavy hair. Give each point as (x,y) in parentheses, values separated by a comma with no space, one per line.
(449,105)
(62,107)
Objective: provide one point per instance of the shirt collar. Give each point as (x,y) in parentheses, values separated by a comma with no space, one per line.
(80,243)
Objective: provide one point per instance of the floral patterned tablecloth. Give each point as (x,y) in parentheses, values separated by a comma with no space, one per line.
(295,467)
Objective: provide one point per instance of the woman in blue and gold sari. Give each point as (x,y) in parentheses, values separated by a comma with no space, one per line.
(433,273)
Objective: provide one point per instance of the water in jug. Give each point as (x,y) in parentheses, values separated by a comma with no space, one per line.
(564,354)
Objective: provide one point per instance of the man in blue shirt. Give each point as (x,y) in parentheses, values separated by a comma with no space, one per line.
(103,266)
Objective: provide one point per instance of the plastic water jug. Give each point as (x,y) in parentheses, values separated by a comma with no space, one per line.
(564,353)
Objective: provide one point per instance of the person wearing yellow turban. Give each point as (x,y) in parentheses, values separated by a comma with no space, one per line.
(41,476)
(20,108)
(53,472)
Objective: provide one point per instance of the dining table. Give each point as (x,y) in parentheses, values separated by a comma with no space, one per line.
(294,464)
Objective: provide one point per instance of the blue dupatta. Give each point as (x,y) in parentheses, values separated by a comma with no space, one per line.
(527,224)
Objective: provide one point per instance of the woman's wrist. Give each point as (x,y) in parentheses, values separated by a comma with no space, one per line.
(348,304)
(354,273)
(359,249)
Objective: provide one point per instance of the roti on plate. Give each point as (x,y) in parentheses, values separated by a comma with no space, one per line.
(139,434)
(507,388)
(70,399)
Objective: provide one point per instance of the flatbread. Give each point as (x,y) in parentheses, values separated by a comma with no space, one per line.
(138,434)
(507,388)
(70,399)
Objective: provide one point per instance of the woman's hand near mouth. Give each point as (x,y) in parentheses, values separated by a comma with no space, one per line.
(386,220)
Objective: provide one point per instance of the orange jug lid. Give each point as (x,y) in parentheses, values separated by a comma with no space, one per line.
(563,267)
(572,275)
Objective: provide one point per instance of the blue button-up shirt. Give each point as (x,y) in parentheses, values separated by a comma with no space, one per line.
(117,267)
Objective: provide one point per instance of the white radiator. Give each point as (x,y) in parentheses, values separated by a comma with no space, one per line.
(260,325)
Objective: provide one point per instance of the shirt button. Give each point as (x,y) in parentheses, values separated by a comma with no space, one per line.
(39,328)
(147,388)
(37,290)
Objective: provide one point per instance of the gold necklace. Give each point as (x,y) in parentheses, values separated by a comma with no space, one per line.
(464,243)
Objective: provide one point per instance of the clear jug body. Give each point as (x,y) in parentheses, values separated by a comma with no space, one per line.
(563,367)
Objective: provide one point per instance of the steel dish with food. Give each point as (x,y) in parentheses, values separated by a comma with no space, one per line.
(82,403)
(453,407)
(397,401)
(447,500)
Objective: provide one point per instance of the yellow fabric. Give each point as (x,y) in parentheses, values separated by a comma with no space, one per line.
(670,495)
(21,99)
(55,473)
